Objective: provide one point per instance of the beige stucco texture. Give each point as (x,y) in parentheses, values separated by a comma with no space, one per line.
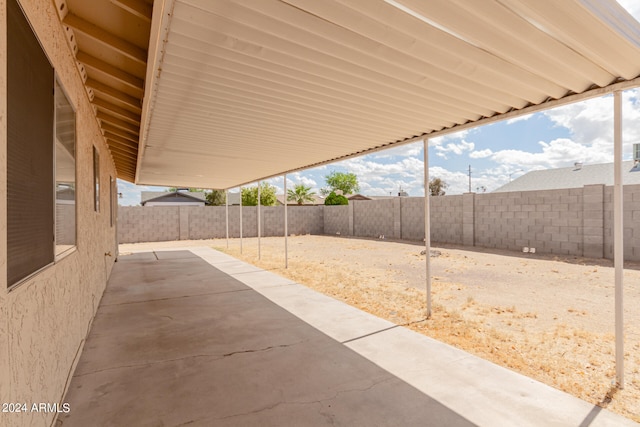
(45,319)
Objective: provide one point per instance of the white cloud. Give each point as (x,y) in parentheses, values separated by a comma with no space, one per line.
(131,193)
(460,135)
(455,148)
(480,154)
(557,153)
(408,150)
(590,124)
(520,118)
(632,6)
(299,178)
(457,182)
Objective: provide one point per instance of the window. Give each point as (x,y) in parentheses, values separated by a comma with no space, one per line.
(65,147)
(41,155)
(96,179)
(30,152)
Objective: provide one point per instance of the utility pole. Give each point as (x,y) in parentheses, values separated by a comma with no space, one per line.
(469,178)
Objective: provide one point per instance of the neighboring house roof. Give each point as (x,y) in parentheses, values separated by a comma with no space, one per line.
(572,177)
(172,197)
(358,197)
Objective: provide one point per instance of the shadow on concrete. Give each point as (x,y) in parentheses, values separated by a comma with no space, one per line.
(178,342)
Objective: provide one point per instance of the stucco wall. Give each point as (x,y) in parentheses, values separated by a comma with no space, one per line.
(44,320)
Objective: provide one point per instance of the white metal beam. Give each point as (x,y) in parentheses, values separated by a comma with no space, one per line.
(226,209)
(259,228)
(618,239)
(286,226)
(427,226)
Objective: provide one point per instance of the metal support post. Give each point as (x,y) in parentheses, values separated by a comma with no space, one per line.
(226,211)
(618,238)
(286,226)
(427,225)
(259,230)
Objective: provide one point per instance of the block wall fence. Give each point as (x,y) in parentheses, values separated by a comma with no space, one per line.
(576,221)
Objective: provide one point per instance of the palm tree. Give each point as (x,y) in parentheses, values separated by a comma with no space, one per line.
(300,194)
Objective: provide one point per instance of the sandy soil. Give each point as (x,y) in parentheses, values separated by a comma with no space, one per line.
(549,318)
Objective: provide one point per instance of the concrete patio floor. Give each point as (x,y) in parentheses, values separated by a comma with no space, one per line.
(191,336)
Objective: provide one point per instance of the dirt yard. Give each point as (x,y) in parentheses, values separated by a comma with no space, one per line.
(546,317)
(549,318)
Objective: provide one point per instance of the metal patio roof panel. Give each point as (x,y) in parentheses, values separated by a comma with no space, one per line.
(245,90)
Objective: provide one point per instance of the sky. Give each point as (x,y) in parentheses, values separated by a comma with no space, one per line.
(496,153)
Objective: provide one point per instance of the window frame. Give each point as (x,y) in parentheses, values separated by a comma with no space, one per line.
(112,192)
(59,255)
(96,179)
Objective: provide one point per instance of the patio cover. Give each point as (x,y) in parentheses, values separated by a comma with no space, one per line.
(241,91)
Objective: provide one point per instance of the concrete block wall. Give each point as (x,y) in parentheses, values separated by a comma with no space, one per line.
(372,218)
(397,218)
(204,222)
(593,221)
(164,223)
(446,219)
(304,219)
(631,219)
(148,224)
(412,218)
(550,221)
(468,219)
(338,219)
(574,221)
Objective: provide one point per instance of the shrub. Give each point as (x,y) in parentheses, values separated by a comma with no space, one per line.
(336,199)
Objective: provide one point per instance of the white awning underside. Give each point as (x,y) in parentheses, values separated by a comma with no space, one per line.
(239,91)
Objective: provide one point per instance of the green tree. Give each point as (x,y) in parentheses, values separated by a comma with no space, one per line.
(336,199)
(300,194)
(267,195)
(345,182)
(216,197)
(437,187)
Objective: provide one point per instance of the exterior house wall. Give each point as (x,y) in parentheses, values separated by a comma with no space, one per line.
(45,319)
